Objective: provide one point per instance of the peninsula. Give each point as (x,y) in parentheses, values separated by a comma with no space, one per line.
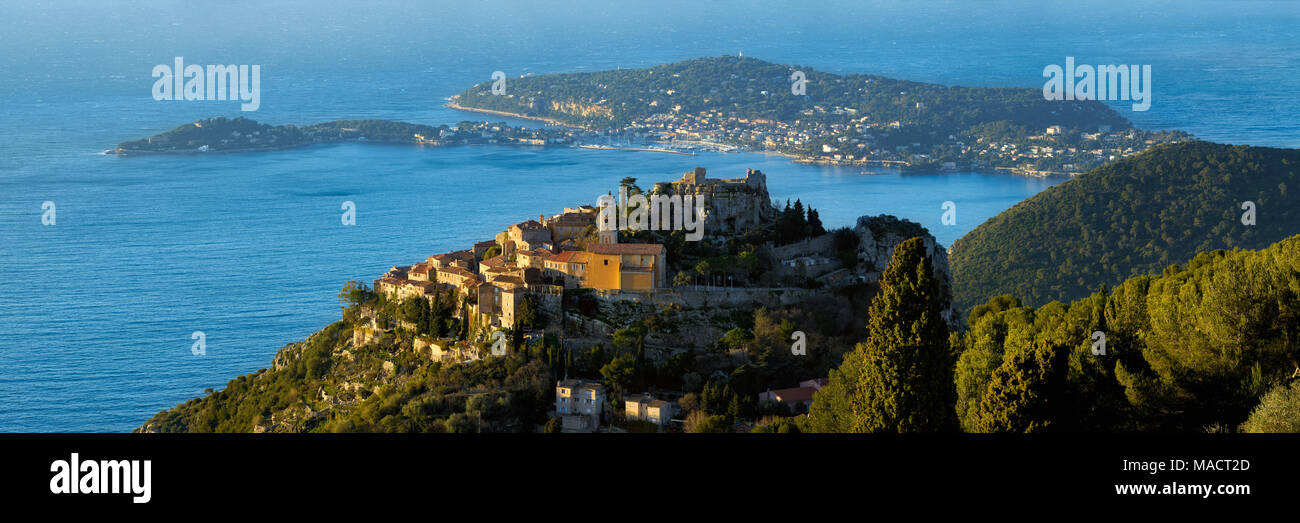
(739,104)
(735,103)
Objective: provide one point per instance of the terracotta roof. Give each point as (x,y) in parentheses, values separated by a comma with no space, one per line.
(528,225)
(573,220)
(457,271)
(626,248)
(569,257)
(577,383)
(795,394)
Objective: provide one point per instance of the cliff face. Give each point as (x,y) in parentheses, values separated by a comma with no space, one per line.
(877,238)
(581,109)
(871,247)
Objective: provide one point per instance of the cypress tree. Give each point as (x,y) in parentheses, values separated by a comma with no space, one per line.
(901,378)
(815,227)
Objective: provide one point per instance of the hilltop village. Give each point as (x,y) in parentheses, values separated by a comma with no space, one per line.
(568,280)
(563,323)
(570,250)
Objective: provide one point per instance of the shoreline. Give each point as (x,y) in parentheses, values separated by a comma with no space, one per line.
(451,104)
(1014,171)
(455,106)
(640,149)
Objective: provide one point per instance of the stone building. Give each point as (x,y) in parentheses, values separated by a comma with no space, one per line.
(732,206)
(647,408)
(579,404)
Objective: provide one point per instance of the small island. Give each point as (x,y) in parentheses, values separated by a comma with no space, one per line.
(245,135)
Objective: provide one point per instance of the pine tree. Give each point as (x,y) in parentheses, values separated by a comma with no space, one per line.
(1023,393)
(901,378)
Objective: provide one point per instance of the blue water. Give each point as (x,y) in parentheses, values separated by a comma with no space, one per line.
(95,323)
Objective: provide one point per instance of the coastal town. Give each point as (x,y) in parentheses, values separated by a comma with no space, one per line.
(859,141)
(732,103)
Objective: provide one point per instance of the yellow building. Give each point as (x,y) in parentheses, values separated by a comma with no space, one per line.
(626,266)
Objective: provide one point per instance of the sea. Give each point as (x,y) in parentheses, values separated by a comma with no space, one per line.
(100,308)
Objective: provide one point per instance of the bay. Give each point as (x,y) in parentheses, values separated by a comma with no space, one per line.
(96,323)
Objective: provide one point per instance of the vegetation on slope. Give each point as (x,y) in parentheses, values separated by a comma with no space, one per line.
(753,88)
(1191,349)
(1128,218)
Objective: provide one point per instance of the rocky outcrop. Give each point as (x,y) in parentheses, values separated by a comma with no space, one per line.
(876,238)
(731,206)
(879,235)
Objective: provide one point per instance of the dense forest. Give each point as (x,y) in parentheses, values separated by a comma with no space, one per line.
(1198,348)
(1212,346)
(1131,217)
(752,88)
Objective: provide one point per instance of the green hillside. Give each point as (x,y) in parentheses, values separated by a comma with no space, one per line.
(753,88)
(1131,217)
(1196,348)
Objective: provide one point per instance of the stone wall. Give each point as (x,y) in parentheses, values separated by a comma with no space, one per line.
(719,297)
